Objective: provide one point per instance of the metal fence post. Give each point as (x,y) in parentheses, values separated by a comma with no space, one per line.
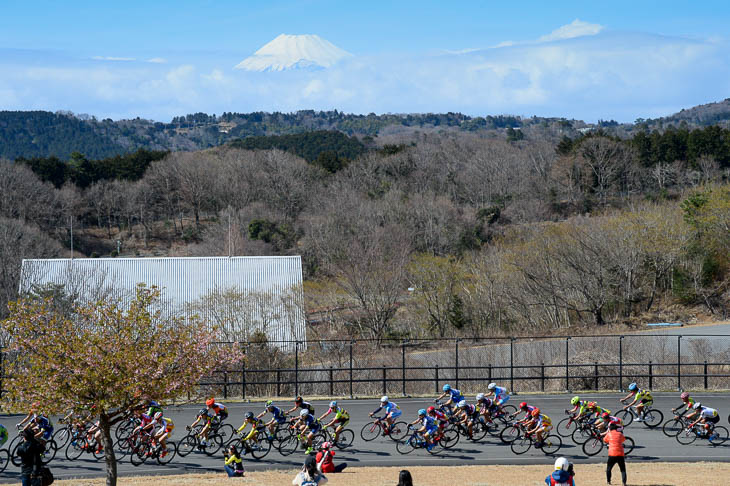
(243,373)
(679,363)
(542,376)
(511,364)
(620,363)
(296,368)
(651,376)
(436,379)
(385,386)
(456,378)
(705,370)
(567,363)
(225,384)
(595,373)
(332,385)
(489,372)
(351,343)
(403,365)
(278,383)
(2,371)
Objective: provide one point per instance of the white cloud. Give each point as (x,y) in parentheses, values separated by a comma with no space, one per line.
(157,60)
(576,28)
(112,58)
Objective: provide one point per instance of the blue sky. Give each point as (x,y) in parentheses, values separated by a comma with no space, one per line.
(621,60)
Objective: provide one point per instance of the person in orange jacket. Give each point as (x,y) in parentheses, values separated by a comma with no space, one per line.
(615,440)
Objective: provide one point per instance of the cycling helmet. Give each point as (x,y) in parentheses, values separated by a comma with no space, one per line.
(384,399)
(333,404)
(462,404)
(298,400)
(491,386)
(523,405)
(605,415)
(431,409)
(210,402)
(325,445)
(203,411)
(633,386)
(684,396)
(574,401)
(422,412)
(269,403)
(697,406)
(158,415)
(249,415)
(304,413)
(447,387)
(480,397)
(535,412)
(591,405)
(561,464)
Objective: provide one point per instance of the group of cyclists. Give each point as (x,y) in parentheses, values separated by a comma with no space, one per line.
(430,422)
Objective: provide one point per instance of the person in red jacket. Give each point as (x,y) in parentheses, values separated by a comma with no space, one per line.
(324,460)
(615,440)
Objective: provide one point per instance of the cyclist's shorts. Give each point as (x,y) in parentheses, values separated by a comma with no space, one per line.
(342,421)
(223,415)
(713,420)
(280,420)
(502,400)
(48,433)
(314,428)
(647,401)
(431,430)
(396,413)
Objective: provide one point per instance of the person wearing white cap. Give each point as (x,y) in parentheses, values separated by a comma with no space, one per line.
(562,475)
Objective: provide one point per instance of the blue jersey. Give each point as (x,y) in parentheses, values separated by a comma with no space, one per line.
(428,422)
(43,422)
(500,392)
(456,395)
(3,434)
(277,413)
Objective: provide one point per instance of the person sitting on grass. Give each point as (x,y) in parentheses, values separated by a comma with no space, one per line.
(324,460)
(233,462)
(309,475)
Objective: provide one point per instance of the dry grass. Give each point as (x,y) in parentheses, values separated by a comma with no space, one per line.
(647,474)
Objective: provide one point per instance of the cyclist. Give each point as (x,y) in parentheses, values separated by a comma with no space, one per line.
(642,396)
(300,403)
(256,425)
(501,395)
(687,403)
(392,412)
(704,415)
(153,407)
(524,407)
(428,427)
(279,417)
(579,406)
(32,414)
(308,425)
(540,424)
(205,416)
(342,417)
(487,407)
(467,414)
(605,422)
(216,410)
(3,435)
(439,416)
(593,408)
(42,427)
(454,395)
(164,431)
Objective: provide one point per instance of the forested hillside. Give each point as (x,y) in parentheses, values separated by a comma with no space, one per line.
(493,236)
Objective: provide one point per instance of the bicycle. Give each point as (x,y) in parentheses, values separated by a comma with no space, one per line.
(565,427)
(4,459)
(675,425)
(289,445)
(194,442)
(550,444)
(512,432)
(595,444)
(372,430)
(651,416)
(150,448)
(344,439)
(49,449)
(415,441)
(260,446)
(716,435)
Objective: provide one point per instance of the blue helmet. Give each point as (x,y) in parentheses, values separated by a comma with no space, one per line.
(633,387)
(422,412)
(333,404)
(447,387)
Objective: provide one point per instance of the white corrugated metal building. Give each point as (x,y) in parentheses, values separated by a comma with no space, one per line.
(239,294)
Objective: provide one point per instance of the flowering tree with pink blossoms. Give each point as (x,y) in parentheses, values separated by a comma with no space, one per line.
(105,357)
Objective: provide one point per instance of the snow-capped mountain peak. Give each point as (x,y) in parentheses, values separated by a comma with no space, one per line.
(294,52)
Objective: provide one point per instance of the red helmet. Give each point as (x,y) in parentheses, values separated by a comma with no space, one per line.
(210,402)
(523,405)
(431,409)
(325,445)
(535,412)
(591,405)
(684,396)
(605,415)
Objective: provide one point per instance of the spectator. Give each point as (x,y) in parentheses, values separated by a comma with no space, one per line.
(309,476)
(615,440)
(405,478)
(324,460)
(563,474)
(234,463)
(30,452)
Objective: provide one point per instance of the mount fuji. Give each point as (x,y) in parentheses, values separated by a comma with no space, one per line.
(288,52)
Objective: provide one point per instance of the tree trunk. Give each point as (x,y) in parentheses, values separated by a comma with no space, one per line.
(108,444)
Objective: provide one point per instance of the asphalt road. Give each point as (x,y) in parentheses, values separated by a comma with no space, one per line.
(651,445)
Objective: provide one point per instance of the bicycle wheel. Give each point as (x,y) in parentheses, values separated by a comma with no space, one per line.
(4,459)
(479,431)
(14,457)
(345,439)
(686,436)
(370,431)
(124,429)
(592,446)
(493,429)
(628,445)
(581,435)
(565,427)
(653,417)
(673,427)
(75,448)
(521,445)
(171,452)
(449,438)
(551,444)
(626,416)
(405,446)
(288,445)
(227,433)
(260,448)
(98,454)
(61,436)
(214,444)
(398,431)
(138,455)
(718,436)
(509,409)
(187,444)
(50,451)
(510,434)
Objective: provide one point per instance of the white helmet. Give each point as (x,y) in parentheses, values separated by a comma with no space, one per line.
(304,413)
(462,404)
(480,397)
(697,405)
(491,386)
(561,464)
(384,399)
